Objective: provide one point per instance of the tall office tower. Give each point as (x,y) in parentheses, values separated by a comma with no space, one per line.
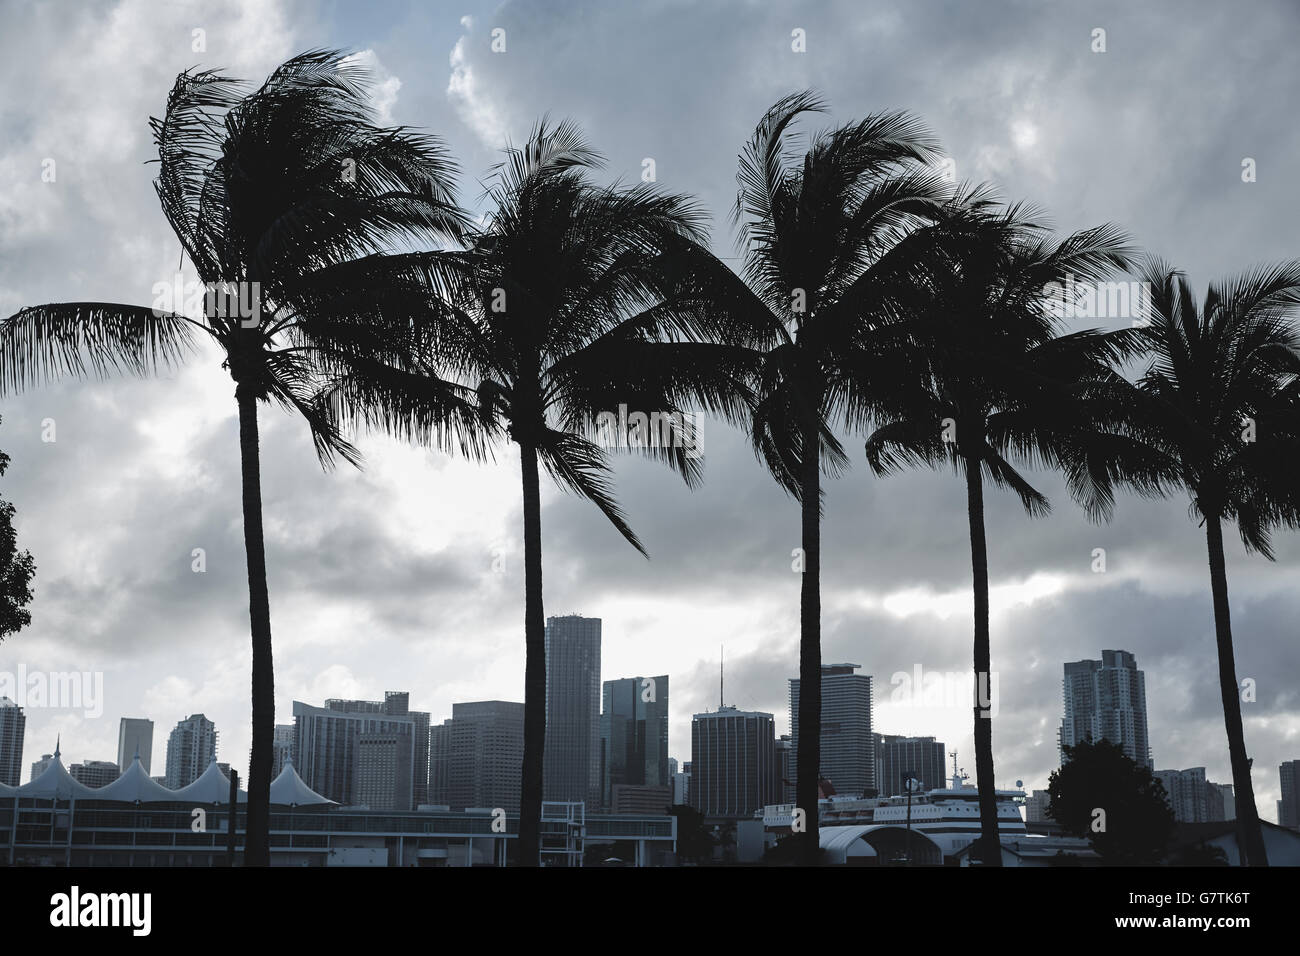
(784,769)
(1193,798)
(135,736)
(1036,805)
(38,766)
(1288,808)
(13,723)
(281,748)
(190,748)
(848,747)
(325,750)
(634,735)
(476,756)
(384,770)
(571,768)
(397,703)
(733,762)
(1223,801)
(1107,699)
(898,757)
(686,784)
(95,773)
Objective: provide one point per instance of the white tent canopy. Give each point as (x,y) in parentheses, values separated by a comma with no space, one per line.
(289,790)
(55,782)
(134,786)
(212,786)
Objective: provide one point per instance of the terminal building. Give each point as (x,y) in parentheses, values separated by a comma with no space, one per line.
(135,821)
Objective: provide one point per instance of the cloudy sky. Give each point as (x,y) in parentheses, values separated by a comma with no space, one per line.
(383,578)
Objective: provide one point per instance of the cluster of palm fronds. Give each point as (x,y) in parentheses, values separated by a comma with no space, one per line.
(875,298)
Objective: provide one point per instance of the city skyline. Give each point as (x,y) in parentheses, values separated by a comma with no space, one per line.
(374,553)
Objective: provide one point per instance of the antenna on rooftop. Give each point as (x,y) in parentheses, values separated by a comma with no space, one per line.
(722,658)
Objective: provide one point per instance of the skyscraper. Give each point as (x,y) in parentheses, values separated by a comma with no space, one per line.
(1036,805)
(1107,699)
(94,773)
(848,747)
(135,735)
(733,762)
(919,757)
(571,768)
(327,741)
(190,748)
(476,756)
(281,748)
(634,734)
(38,766)
(1288,808)
(1193,798)
(13,724)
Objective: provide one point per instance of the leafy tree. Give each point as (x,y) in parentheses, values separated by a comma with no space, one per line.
(287,201)
(999,385)
(694,841)
(571,301)
(1115,802)
(1219,413)
(16,571)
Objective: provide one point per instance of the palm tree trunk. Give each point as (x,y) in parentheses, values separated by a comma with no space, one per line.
(530,801)
(257,849)
(990,851)
(1247,814)
(807,773)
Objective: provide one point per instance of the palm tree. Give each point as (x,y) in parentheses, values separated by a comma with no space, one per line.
(572,301)
(1000,388)
(1220,414)
(826,241)
(285,200)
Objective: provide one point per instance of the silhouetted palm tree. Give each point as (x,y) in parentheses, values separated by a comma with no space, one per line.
(1001,388)
(284,200)
(1220,412)
(571,301)
(825,241)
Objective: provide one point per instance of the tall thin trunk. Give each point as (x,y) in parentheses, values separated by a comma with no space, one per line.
(257,848)
(990,849)
(808,771)
(1247,814)
(530,798)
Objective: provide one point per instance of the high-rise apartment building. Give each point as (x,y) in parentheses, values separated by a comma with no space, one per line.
(190,748)
(13,725)
(327,743)
(135,736)
(1036,805)
(1288,808)
(1107,699)
(572,756)
(94,773)
(38,766)
(634,734)
(281,748)
(899,757)
(476,757)
(848,757)
(733,762)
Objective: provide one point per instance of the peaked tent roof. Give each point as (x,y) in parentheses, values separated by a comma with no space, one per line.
(55,781)
(212,786)
(134,786)
(289,790)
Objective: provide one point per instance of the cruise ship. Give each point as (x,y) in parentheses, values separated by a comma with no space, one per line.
(875,831)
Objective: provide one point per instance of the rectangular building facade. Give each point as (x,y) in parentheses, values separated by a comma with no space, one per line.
(571,768)
(1288,808)
(898,757)
(326,741)
(135,736)
(477,756)
(634,734)
(733,762)
(848,748)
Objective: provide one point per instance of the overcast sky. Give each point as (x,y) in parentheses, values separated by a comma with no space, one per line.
(382,579)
